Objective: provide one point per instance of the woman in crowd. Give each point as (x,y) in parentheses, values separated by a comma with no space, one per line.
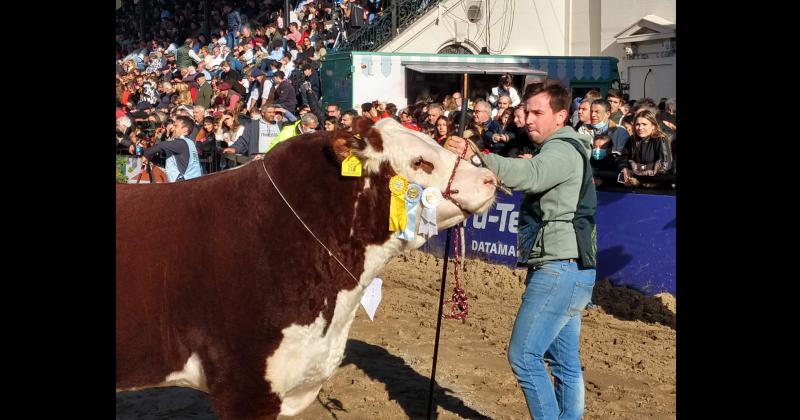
(184,95)
(330,123)
(228,128)
(647,153)
(444,129)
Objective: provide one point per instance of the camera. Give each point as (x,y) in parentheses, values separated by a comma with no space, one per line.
(146,127)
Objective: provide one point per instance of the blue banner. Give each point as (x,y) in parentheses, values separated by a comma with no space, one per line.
(635,238)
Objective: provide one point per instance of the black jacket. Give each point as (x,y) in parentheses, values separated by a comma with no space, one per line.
(286,96)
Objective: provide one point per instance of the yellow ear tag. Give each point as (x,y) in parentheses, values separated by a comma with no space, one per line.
(351,166)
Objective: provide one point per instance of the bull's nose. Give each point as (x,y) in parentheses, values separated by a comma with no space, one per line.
(489,180)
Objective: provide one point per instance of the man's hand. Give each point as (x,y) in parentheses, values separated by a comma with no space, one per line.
(229,150)
(457,145)
(525,156)
(131,149)
(144,161)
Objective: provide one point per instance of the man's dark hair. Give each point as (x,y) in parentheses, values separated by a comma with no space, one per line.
(187,122)
(351,112)
(613,93)
(391,109)
(280,74)
(307,66)
(560,97)
(366,107)
(645,104)
(338,108)
(602,102)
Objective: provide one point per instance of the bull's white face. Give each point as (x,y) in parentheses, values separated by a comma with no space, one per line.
(420,159)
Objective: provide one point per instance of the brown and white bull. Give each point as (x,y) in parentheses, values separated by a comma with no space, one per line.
(219,286)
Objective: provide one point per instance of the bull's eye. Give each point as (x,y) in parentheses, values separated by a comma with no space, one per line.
(423,164)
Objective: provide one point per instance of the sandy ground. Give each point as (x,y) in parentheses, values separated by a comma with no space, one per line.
(627,349)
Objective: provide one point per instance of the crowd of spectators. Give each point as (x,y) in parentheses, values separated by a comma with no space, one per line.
(253,83)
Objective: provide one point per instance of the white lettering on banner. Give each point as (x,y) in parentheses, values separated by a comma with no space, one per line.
(507,220)
(497,248)
(479,221)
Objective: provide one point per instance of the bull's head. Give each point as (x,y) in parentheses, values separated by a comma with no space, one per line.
(421,160)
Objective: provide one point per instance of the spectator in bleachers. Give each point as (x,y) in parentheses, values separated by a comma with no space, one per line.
(603,161)
(517,143)
(647,154)
(614,98)
(487,128)
(407,120)
(285,94)
(331,123)
(347,119)
(503,103)
(601,124)
(444,129)
(504,87)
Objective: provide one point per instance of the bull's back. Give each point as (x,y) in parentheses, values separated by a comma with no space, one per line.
(164,239)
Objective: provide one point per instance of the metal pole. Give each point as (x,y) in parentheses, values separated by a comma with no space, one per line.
(394,17)
(286,18)
(444,269)
(644,85)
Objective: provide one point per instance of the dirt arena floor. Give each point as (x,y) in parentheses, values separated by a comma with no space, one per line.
(627,349)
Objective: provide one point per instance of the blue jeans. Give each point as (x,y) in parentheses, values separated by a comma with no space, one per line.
(548,328)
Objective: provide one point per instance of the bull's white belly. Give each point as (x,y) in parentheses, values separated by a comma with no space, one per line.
(306,359)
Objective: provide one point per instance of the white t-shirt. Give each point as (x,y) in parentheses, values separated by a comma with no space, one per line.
(266,133)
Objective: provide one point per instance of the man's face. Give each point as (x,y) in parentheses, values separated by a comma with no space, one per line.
(457,99)
(519,117)
(541,121)
(347,121)
(198,115)
(598,114)
(310,127)
(503,103)
(584,112)
(307,72)
(333,111)
(268,114)
(433,115)
(615,103)
(180,129)
(482,114)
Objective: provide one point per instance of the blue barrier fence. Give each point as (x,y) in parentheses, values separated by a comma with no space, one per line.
(635,238)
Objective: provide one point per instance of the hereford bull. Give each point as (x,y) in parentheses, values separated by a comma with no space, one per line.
(220,287)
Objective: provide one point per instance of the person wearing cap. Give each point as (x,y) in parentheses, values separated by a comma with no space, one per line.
(204,91)
(229,96)
(257,81)
(183,161)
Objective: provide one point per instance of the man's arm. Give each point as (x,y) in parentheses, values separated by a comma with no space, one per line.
(193,55)
(552,166)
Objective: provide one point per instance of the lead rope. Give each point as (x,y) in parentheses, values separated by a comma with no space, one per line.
(459,306)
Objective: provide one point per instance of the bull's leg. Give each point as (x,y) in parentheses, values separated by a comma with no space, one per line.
(241,393)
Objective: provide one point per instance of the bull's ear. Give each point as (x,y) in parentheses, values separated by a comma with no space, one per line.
(344,143)
(362,126)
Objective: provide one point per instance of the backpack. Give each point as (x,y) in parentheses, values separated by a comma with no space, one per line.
(584,222)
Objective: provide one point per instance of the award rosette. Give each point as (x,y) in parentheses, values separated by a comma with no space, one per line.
(431,198)
(413,197)
(397,209)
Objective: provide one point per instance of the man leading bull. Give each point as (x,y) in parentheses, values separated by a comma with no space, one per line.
(557,242)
